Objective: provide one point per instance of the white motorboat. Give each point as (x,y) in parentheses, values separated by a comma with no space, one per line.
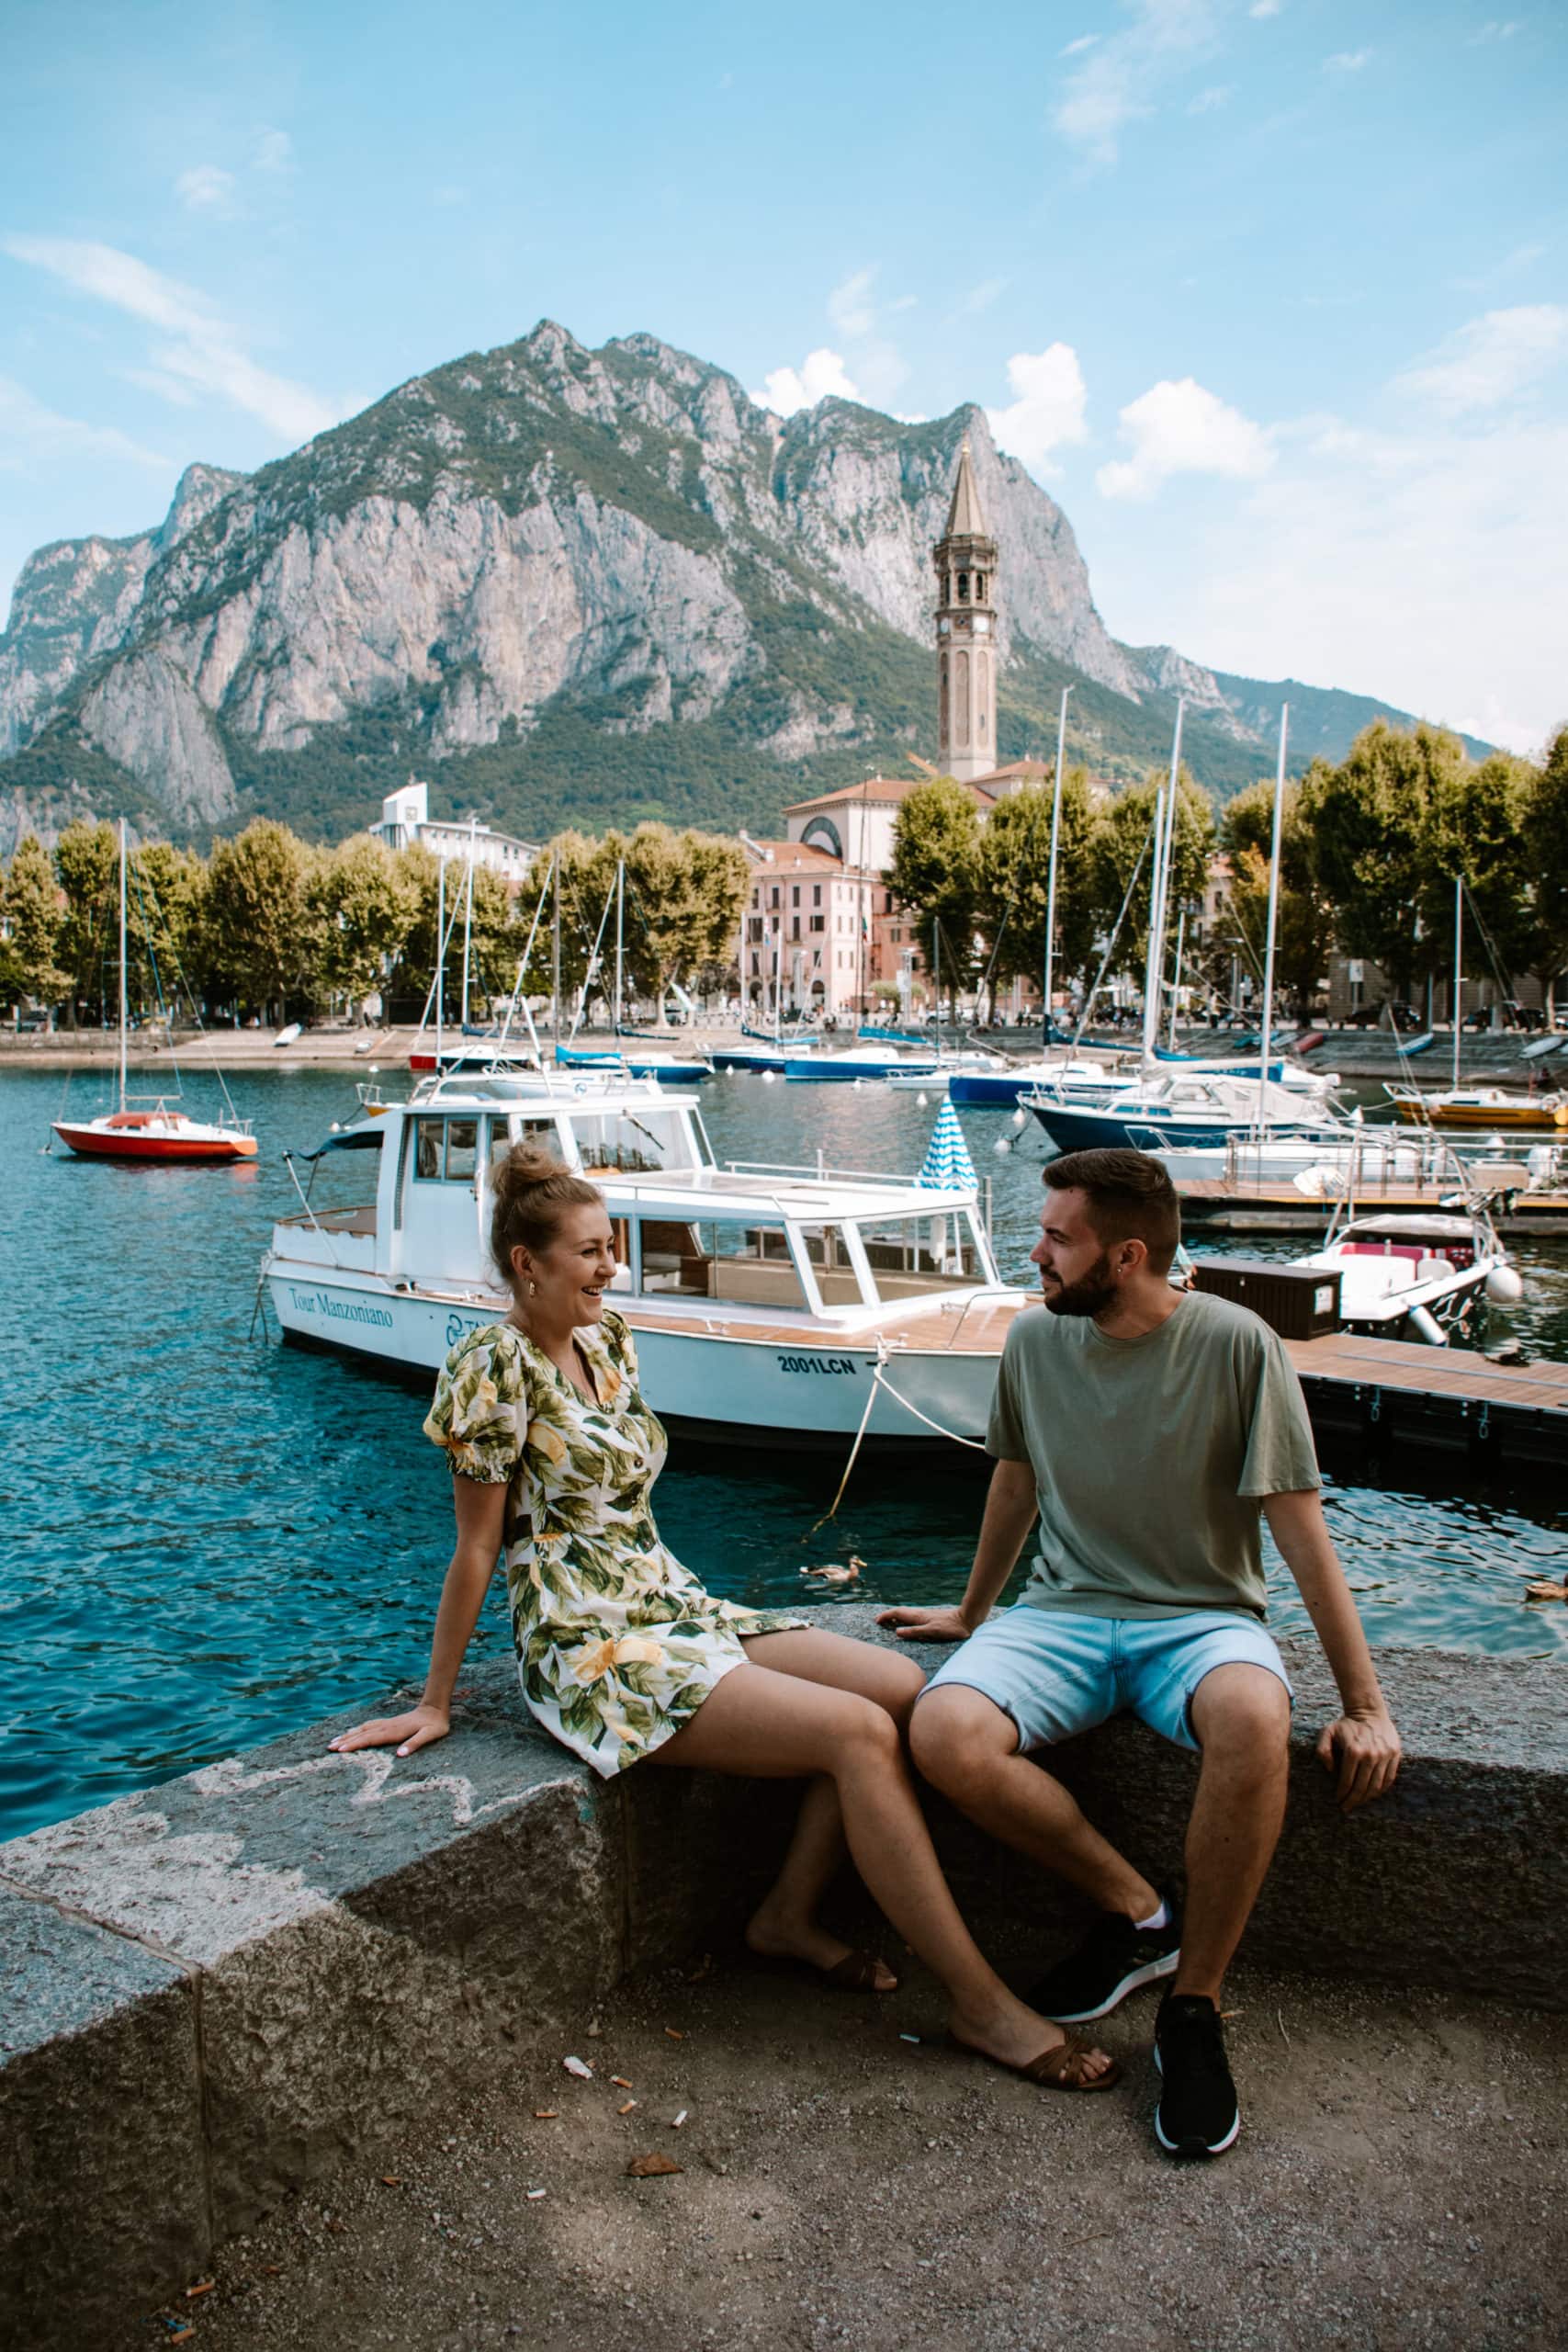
(767,1303)
(1415,1273)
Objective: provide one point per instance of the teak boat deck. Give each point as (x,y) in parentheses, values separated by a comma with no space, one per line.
(1248,1205)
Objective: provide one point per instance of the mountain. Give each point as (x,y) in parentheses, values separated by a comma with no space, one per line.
(569,586)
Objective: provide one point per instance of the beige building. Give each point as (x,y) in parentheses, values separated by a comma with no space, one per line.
(806,936)
(406,818)
(965,561)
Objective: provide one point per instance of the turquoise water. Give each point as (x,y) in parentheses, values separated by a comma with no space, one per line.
(212,1539)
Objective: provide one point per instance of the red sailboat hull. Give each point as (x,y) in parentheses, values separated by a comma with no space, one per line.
(131,1135)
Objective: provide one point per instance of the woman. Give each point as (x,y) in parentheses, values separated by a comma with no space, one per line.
(627,1659)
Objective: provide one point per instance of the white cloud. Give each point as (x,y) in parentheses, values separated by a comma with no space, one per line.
(1490,359)
(1077,48)
(206,351)
(1493,31)
(1047,407)
(168,388)
(1120,78)
(205,188)
(1265,7)
(1207,100)
(1347,61)
(1421,564)
(819,377)
(30,431)
(273,152)
(981,296)
(849,304)
(1180,428)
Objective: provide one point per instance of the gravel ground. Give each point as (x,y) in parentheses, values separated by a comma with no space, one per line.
(1399,2183)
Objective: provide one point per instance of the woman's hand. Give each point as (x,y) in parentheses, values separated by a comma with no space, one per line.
(421,1728)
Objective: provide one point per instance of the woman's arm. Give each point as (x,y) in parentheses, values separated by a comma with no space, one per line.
(480,1511)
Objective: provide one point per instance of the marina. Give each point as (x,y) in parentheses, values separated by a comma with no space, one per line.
(281,1504)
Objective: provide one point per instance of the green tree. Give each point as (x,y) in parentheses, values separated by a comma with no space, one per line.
(1122,837)
(1475,829)
(256,944)
(359,905)
(1012,879)
(934,873)
(165,907)
(1305,928)
(1371,824)
(28,961)
(86,859)
(493,943)
(1545,835)
(685,892)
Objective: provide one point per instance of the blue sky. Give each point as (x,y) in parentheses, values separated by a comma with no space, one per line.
(1273,295)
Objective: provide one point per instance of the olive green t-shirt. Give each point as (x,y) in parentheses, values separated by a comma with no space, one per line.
(1150,1455)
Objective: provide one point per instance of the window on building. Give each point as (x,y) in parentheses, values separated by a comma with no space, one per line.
(816,894)
(795,896)
(817,921)
(979,587)
(963,587)
(775,899)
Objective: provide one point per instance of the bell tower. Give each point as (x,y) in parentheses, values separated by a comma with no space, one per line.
(966,559)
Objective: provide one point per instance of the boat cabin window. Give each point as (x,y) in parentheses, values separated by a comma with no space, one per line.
(745,1265)
(837,1285)
(445,1151)
(643,1142)
(911,1254)
(505,1132)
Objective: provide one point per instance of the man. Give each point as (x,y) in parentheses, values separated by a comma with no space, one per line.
(1146,1426)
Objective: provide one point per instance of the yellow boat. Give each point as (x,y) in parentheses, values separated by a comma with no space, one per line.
(1487,1107)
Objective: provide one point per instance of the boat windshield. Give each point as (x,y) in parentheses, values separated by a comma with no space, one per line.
(748,1265)
(908,1255)
(648,1141)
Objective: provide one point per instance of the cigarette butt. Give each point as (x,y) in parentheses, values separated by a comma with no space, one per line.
(391,2180)
(535,2195)
(674,2036)
(620,2081)
(681,2119)
(908,2037)
(202,2287)
(627,2108)
(546,2114)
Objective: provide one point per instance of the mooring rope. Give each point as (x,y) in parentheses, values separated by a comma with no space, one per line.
(879,1380)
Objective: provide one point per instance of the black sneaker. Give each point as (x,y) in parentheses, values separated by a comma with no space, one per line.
(1113,1961)
(1197,2115)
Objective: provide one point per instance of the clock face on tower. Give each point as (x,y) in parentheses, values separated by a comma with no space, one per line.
(944,628)
(981,624)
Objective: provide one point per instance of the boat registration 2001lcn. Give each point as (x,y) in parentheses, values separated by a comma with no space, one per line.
(766,1303)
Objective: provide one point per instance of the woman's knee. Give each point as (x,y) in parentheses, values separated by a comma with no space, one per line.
(900,1683)
(863,1729)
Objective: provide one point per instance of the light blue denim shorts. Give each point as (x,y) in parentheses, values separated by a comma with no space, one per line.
(1057,1674)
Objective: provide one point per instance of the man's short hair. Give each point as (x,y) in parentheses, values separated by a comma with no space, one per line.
(1129,1197)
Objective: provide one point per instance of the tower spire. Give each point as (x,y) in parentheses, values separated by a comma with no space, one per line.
(965,561)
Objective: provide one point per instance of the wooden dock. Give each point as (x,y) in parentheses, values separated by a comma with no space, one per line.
(1512,1415)
(1248,1205)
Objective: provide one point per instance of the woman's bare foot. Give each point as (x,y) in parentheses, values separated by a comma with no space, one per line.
(1011,2032)
(774,1937)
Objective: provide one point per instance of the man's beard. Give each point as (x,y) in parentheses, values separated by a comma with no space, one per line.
(1090,1294)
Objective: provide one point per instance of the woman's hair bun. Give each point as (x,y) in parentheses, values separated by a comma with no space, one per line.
(529,1188)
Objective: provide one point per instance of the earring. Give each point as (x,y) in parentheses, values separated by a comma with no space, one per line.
(532,1288)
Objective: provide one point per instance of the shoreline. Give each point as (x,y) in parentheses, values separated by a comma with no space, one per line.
(1486,1061)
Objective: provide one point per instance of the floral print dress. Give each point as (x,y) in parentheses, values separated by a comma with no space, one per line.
(617,1645)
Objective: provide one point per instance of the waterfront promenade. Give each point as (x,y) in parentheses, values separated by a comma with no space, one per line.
(287,2026)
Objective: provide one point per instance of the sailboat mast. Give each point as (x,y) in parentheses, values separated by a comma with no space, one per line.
(124,1007)
(1458,976)
(1266,1026)
(440,952)
(620,936)
(1051,882)
(1160,887)
(469,922)
(555,952)
(1176,979)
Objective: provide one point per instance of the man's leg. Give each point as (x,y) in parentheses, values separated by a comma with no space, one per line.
(1241,1716)
(967,1747)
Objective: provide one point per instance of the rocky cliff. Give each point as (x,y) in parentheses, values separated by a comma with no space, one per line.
(565,584)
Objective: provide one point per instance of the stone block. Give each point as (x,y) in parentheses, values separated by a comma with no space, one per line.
(99,2097)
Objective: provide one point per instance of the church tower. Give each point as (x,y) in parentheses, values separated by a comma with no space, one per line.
(965,562)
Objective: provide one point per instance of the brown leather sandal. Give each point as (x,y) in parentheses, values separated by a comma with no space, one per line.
(1059,2069)
(856,1973)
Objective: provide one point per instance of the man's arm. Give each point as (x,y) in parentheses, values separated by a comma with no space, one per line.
(1363,1745)
(1010,1515)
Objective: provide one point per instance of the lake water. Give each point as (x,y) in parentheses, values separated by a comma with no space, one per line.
(211,1539)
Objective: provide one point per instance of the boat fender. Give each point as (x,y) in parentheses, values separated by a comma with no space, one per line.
(1424,1326)
(1505,1286)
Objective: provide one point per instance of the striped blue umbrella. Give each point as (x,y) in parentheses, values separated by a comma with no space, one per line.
(947,1158)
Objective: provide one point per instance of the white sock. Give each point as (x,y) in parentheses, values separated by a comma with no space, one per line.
(1160,1918)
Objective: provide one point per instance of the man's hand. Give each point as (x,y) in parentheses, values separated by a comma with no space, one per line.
(926,1624)
(1362,1750)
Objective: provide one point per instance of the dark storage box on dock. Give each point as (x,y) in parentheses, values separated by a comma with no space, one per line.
(1299,1302)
